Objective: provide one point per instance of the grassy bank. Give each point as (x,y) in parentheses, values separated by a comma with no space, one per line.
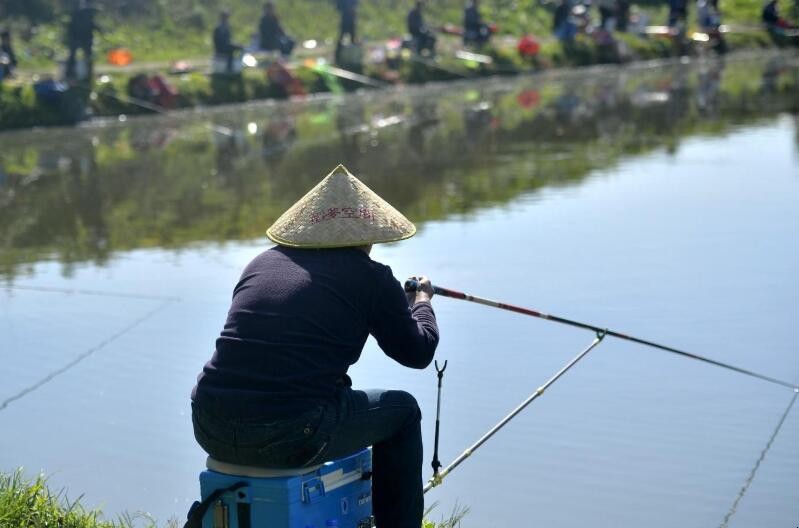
(108,94)
(28,503)
(31,504)
(161,30)
(157,30)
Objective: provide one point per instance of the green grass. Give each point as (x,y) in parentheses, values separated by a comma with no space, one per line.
(164,30)
(29,503)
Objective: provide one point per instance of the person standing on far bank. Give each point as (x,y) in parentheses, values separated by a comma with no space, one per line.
(276,392)
(348,11)
(223,41)
(80,36)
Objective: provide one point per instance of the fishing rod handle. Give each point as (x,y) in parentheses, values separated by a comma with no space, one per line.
(413,286)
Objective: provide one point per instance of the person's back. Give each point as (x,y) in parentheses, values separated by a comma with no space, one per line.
(471,18)
(770,15)
(222,38)
(276,391)
(270,30)
(415,21)
(298,320)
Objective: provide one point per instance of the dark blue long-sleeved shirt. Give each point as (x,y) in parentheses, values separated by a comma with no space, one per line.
(298,320)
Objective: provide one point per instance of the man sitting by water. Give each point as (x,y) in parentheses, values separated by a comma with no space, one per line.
(276,392)
(223,45)
(423,38)
(272,35)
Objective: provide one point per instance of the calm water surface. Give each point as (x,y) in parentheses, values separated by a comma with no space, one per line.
(657,200)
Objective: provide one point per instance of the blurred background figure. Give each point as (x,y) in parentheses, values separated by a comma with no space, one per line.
(8,59)
(622,15)
(708,15)
(772,19)
(272,35)
(80,36)
(223,43)
(678,13)
(475,31)
(780,29)
(424,40)
(348,11)
(607,14)
(562,25)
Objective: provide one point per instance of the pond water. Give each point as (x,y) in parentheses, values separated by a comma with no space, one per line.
(658,200)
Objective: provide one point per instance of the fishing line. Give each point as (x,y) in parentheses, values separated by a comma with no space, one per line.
(751,477)
(5,403)
(72,291)
(412,285)
(160,110)
(438,476)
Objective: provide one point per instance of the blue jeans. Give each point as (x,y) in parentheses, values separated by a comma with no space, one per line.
(387,420)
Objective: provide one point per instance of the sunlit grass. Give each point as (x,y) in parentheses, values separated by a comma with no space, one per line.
(29,503)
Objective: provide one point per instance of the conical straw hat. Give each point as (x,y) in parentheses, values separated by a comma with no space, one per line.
(339,212)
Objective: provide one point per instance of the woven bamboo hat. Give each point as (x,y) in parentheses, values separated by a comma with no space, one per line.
(340,212)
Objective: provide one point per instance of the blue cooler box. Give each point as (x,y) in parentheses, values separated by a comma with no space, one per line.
(337,493)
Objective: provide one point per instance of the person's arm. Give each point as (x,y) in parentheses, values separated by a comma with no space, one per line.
(406,333)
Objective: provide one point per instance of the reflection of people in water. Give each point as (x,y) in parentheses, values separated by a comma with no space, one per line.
(478,120)
(75,215)
(279,135)
(566,106)
(350,120)
(231,144)
(771,73)
(424,117)
(707,93)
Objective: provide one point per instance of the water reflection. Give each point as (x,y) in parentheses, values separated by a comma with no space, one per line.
(82,194)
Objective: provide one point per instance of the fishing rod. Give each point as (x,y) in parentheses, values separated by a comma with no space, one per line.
(160,110)
(413,285)
(438,476)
